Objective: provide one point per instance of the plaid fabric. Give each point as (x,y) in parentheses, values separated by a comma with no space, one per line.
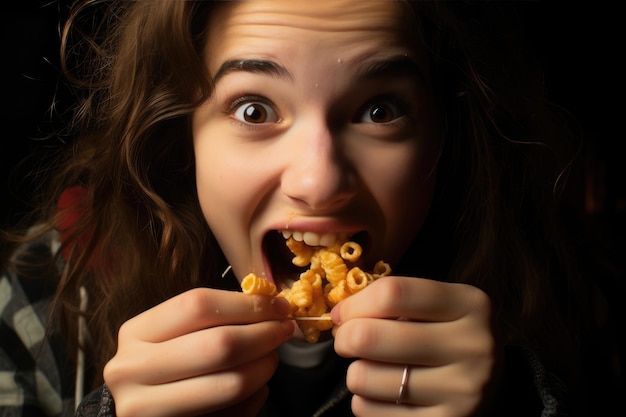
(35,379)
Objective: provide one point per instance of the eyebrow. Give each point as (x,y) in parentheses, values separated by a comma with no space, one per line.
(395,66)
(259,66)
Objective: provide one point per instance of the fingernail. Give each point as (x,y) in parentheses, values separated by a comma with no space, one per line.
(289,326)
(335,315)
(281,306)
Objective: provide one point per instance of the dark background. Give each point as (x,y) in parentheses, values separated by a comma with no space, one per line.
(30,68)
(578,44)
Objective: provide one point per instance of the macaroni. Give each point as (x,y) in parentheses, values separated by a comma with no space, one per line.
(331,278)
(253,284)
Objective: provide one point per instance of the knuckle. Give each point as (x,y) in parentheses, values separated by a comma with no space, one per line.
(479,299)
(193,303)
(125,331)
(388,291)
(354,337)
(118,370)
(230,382)
(223,343)
(113,371)
(356,376)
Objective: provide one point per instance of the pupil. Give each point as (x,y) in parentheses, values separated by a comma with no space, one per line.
(380,114)
(254,113)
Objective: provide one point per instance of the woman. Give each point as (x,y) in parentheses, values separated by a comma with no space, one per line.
(205,129)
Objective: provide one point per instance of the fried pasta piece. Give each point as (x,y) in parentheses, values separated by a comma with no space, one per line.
(332,277)
(254,284)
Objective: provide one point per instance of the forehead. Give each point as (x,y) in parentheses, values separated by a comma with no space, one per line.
(337,15)
(351,29)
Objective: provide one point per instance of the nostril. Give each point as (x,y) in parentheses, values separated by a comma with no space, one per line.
(322,196)
(319,180)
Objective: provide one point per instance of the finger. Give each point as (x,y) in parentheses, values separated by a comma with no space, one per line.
(412,298)
(417,343)
(205,351)
(250,407)
(201,395)
(364,407)
(202,308)
(424,386)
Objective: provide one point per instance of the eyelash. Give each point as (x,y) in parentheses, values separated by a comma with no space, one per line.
(236,105)
(397,105)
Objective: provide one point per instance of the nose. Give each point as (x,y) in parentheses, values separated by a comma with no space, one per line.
(318,177)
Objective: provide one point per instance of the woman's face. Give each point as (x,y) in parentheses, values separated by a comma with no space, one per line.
(321,124)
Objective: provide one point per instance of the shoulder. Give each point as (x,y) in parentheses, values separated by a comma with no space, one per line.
(25,288)
(31,356)
(27,285)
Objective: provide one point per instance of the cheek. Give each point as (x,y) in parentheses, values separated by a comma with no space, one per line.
(232,181)
(221,193)
(209,176)
(400,177)
(405,194)
(235,178)
(220,182)
(402,184)
(219,174)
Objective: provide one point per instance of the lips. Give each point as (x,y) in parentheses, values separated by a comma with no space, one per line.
(279,258)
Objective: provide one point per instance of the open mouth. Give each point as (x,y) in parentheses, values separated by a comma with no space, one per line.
(279,257)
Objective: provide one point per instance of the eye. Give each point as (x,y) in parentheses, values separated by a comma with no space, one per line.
(253,111)
(381,110)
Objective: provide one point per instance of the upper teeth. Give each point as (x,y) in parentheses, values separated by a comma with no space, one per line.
(315,239)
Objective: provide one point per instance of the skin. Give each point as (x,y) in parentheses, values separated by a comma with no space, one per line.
(312,157)
(316,163)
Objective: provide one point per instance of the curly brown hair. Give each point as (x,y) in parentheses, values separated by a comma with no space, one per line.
(140,236)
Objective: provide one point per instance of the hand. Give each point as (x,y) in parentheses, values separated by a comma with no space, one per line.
(441,330)
(191,355)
